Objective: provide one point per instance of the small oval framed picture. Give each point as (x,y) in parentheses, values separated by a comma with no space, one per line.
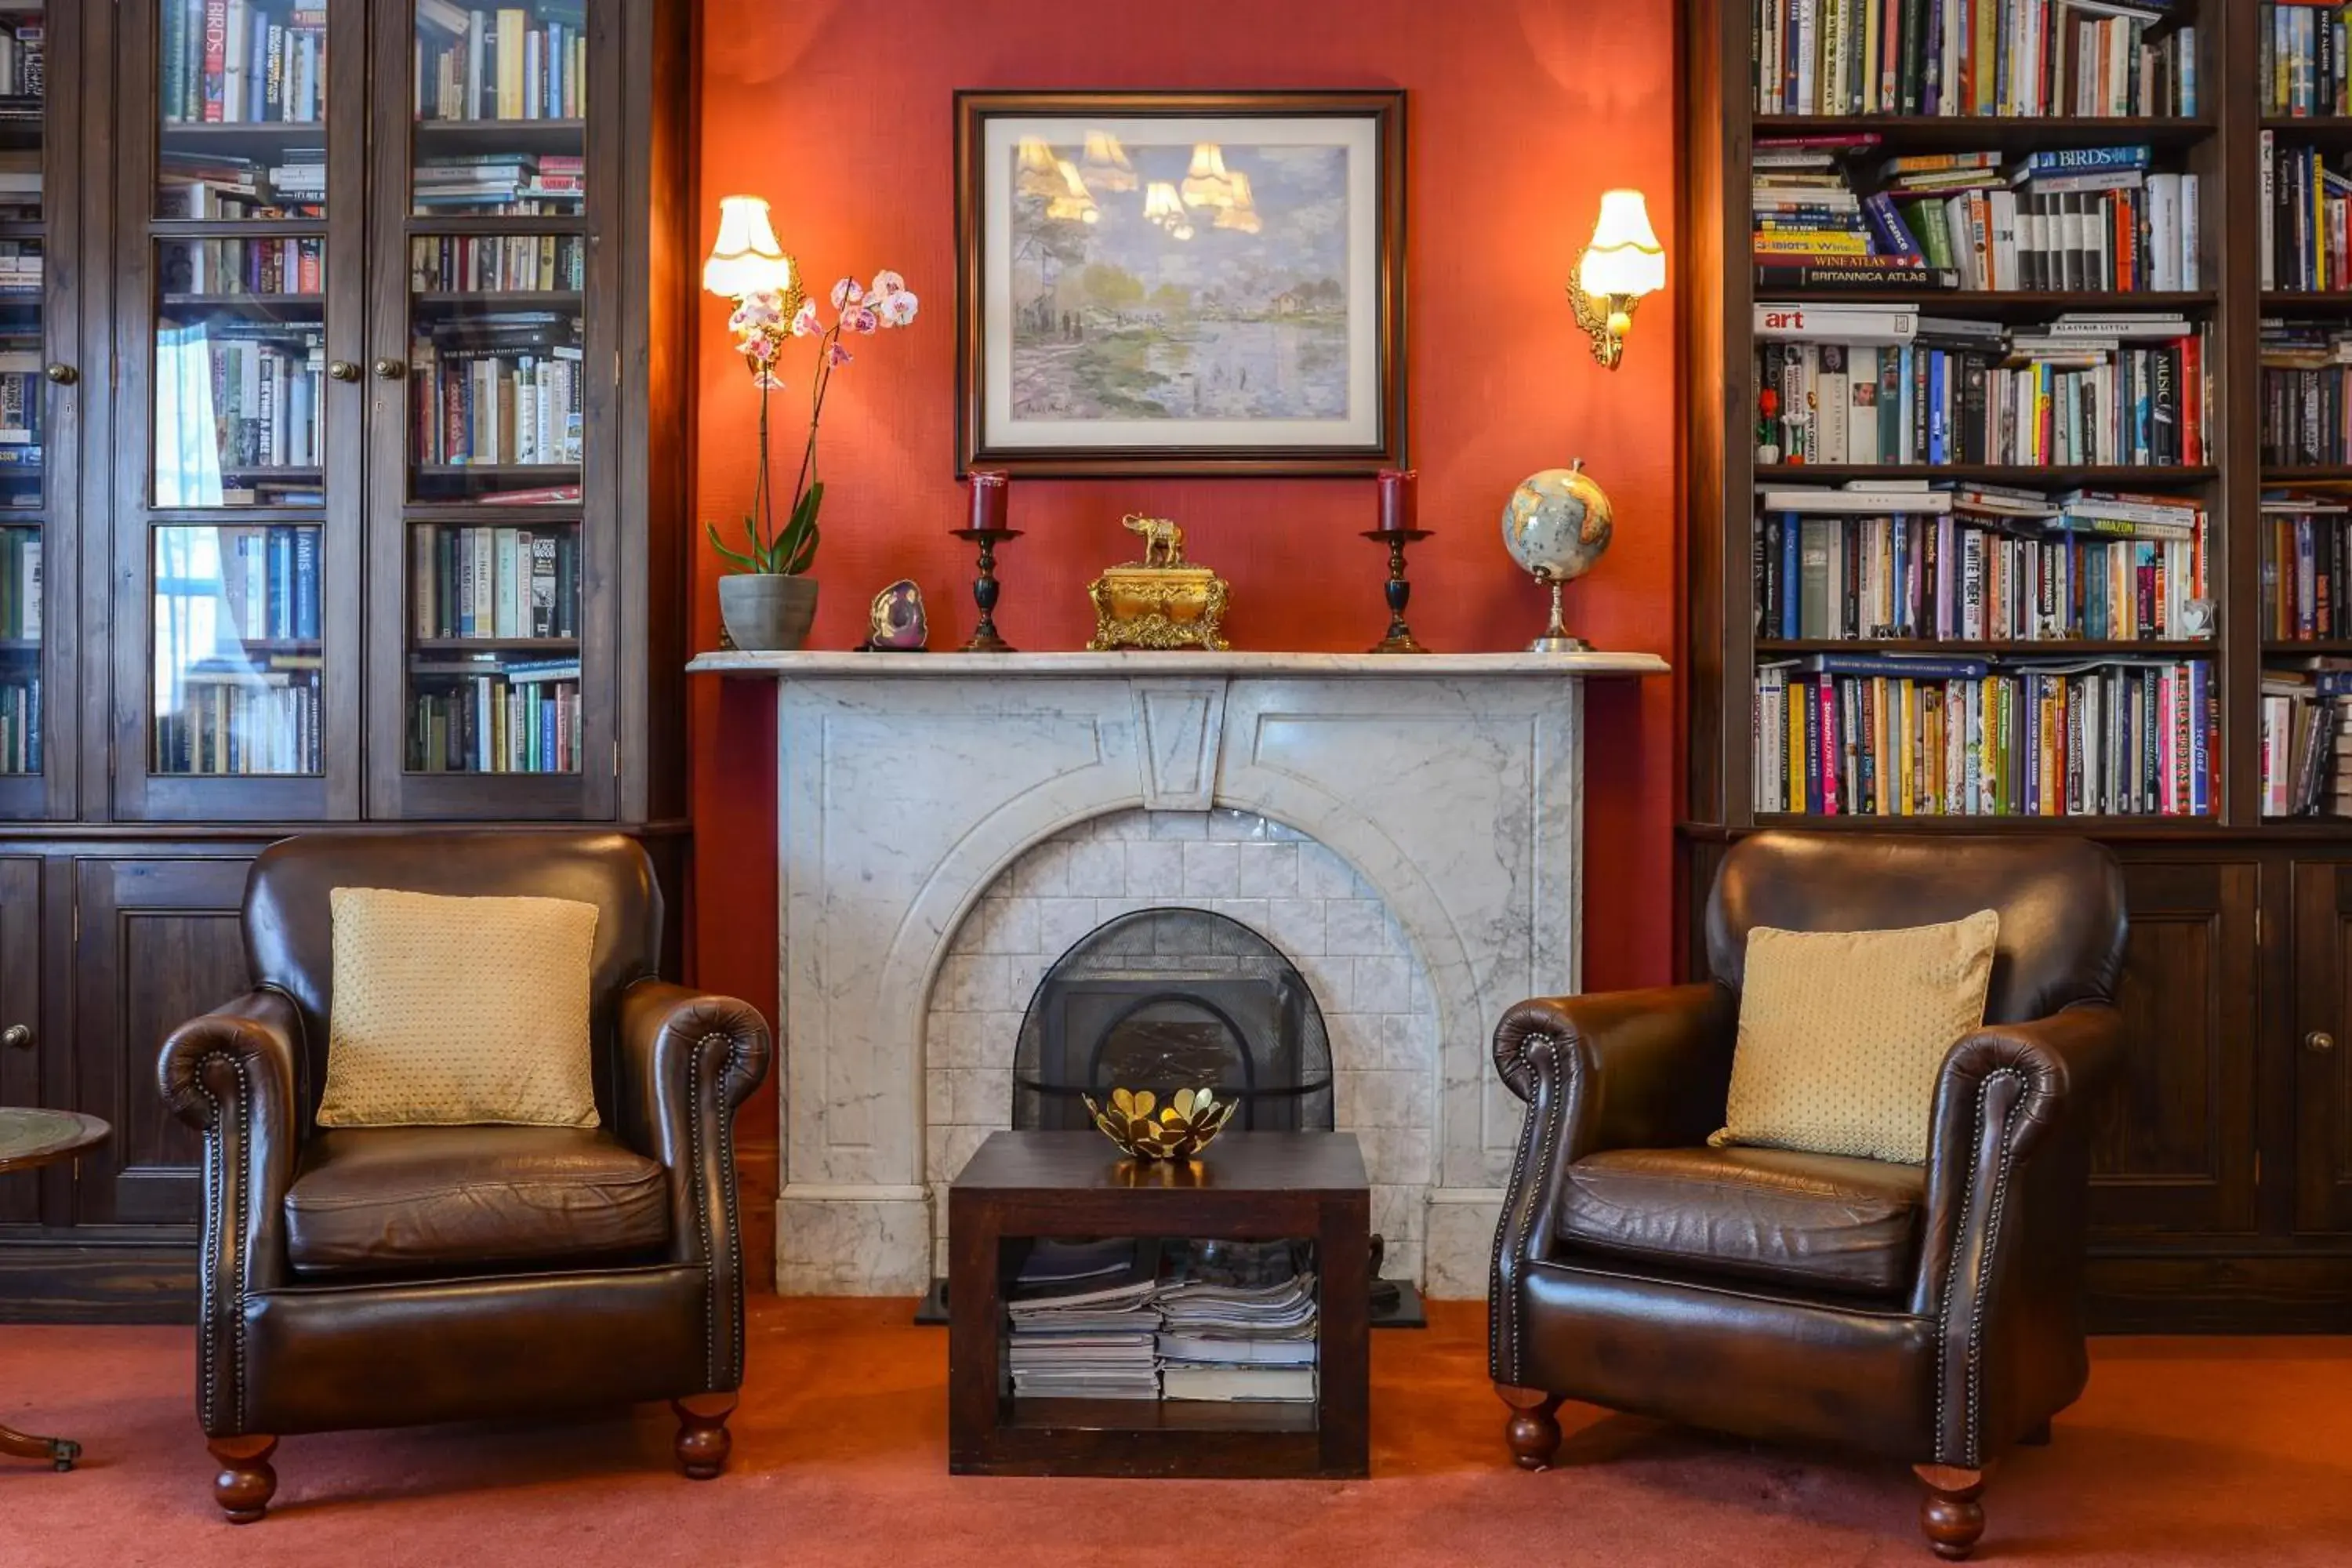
(1156,283)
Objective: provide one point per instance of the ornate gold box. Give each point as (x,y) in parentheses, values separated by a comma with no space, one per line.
(1158,601)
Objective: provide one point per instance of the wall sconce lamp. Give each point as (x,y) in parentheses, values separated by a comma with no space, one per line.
(745,258)
(1624,262)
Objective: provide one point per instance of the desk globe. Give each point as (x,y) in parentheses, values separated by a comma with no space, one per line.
(1555,525)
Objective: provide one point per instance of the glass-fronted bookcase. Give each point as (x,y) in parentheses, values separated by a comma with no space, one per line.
(384,278)
(333,498)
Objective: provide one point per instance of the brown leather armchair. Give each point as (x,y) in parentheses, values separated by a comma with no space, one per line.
(1929,1311)
(381,1277)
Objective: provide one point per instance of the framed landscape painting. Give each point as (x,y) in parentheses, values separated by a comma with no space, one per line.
(1181,283)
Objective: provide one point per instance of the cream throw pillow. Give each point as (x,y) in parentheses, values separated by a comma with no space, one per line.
(453,1011)
(1843,1034)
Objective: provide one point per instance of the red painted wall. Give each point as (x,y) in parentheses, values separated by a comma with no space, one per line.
(1521,112)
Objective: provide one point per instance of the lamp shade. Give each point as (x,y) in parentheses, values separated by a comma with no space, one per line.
(1625,256)
(745,258)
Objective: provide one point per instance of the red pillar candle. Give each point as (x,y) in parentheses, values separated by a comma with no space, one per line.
(1397,506)
(988,499)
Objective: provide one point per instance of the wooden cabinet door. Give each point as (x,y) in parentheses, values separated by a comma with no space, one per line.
(159,942)
(2173,1150)
(20,1008)
(2322,1040)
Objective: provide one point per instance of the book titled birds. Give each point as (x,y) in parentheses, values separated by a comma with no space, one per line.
(2009,57)
(1829,212)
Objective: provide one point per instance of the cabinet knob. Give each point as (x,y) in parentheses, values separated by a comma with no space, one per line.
(2319,1040)
(17,1037)
(389,368)
(64,375)
(344,370)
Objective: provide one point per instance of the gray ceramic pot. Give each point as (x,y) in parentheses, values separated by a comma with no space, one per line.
(765,613)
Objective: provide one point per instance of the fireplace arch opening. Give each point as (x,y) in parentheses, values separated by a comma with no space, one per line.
(1166,999)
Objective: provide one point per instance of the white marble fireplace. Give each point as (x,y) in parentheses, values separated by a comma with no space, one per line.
(1407,831)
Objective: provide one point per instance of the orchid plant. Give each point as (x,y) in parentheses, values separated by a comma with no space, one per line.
(762,324)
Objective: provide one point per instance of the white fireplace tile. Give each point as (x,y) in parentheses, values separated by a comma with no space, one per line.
(1023,972)
(1211,870)
(1333,981)
(1110,909)
(938,1095)
(1408,1041)
(1254,913)
(1155,870)
(971,983)
(1062,921)
(1322,874)
(1458,1248)
(1174,825)
(1397,1211)
(1295,926)
(1399,1259)
(852,1246)
(1008,925)
(1355,926)
(1236,826)
(1043,871)
(1097,866)
(983,1096)
(1383,985)
(1267,870)
(1354,1051)
(1399,1155)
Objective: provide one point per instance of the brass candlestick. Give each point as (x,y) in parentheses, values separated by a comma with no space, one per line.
(983,588)
(1398,591)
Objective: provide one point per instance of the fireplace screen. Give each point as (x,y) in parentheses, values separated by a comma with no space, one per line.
(1171,999)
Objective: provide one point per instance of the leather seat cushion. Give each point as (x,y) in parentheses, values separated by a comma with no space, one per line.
(404,1200)
(1825,1220)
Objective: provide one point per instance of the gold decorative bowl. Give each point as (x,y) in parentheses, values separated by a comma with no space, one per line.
(1146,1129)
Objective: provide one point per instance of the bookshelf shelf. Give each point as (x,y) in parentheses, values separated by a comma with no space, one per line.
(550,645)
(1967,133)
(2052,648)
(2305,473)
(2002,304)
(496,299)
(453,138)
(2027,475)
(260,140)
(2321,647)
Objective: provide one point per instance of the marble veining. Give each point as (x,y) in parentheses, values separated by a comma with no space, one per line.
(1432,806)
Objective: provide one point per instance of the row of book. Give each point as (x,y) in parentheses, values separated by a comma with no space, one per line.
(1885,735)
(1863,385)
(244,716)
(519,717)
(20,180)
(20,721)
(25,57)
(2307,373)
(233,397)
(271,267)
(502,184)
(218,188)
(510,63)
(2307,565)
(1981,564)
(269,581)
(496,582)
(2301,63)
(243,62)
(2306,739)
(1181,1337)
(2302,243)
(20,584)
(498,264)
(22,393)
(478,400)
(2011,58)
(21,268)
(2076,218)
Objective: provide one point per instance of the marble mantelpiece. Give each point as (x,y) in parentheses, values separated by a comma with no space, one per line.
(1451,784)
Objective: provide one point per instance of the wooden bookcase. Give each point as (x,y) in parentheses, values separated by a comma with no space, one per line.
(122,858)
(2223,1185)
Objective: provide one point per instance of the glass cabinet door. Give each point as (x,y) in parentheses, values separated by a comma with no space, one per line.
(241,525)
(40,386)
(494,530)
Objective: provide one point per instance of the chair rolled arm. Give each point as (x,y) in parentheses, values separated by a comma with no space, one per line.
(1660,1060)
(688,1061)
(234,1075)
(2006,1206)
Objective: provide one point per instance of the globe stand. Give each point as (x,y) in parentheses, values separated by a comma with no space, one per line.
(1555,638)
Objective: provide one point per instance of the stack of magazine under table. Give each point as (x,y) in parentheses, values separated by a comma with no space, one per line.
(1083,1327)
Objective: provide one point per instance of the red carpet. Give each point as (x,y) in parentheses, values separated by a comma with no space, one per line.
(2184,1451)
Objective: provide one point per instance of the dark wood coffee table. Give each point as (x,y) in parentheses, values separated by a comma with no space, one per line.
(1251,1186)
(30,1139)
